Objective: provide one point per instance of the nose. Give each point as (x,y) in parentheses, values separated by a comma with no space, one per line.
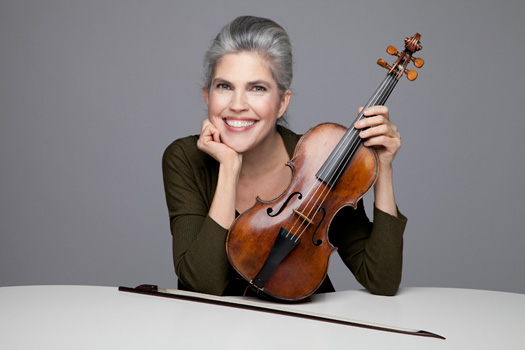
(239,101)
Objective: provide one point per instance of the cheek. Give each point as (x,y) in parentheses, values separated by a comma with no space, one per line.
(265,107)
(217,103)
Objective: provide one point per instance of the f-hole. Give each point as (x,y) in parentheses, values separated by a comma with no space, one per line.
(270,210)
(318,242)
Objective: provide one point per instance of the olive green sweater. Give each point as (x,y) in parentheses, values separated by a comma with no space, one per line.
(373,252)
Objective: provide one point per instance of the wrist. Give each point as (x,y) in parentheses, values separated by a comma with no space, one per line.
(384,190)
(385,168)
(232,166)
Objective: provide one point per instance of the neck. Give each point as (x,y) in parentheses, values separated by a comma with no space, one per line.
(345,149)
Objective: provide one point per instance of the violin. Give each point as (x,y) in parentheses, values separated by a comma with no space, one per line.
(281,246)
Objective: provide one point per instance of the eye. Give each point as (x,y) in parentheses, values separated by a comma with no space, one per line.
(258,88)
(223,86)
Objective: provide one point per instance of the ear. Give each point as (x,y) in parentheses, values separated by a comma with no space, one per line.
(205,94)
(285,101)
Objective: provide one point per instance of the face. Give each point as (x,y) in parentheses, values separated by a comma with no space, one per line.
(243,101)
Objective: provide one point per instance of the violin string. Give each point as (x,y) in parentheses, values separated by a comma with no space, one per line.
(378,98)
(356,141)
(391,81)
(342,146)
(381,99)
(375,100)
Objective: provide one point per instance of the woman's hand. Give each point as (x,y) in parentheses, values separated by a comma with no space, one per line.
(222,208)
(386,140)
(210,143)
(381,134)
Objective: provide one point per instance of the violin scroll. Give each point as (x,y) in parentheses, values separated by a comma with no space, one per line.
(412,45)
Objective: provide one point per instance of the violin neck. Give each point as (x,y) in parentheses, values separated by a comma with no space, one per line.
(381,94)
(345,149)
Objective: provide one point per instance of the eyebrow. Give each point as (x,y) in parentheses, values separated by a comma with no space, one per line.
(220,81)
(260,82)
(250,83)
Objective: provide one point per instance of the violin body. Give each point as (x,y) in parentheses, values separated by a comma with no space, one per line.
(254,233)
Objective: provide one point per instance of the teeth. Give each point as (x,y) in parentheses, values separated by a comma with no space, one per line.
(239,123)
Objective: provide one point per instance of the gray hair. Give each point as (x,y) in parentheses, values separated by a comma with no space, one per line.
(255,34)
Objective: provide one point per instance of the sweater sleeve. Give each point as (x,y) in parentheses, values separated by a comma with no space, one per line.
(199,253)
(372,251)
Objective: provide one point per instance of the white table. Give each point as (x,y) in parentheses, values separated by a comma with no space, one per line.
(89,317)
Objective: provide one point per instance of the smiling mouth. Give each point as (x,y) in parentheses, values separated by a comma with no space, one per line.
(239,123)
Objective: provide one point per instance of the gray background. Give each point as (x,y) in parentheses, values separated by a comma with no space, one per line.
(91,93)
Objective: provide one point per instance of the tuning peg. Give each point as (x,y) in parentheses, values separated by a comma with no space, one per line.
(383,64)
(411,75)
(418,62)
(392,51)
(412,45)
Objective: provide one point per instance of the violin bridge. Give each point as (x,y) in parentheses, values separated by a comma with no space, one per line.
(303,216)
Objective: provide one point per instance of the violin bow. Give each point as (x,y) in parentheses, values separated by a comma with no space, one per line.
(153,290)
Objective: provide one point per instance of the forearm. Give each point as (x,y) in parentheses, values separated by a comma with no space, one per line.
(373,252)
(382,259)
(222,208)
(199,242)
(384,191)
(199,254)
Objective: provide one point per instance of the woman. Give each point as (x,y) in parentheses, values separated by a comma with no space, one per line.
(241,153)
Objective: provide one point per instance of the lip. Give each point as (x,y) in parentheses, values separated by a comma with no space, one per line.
(239,121)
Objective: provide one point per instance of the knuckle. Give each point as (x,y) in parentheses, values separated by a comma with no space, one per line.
(396,143)
(382,129)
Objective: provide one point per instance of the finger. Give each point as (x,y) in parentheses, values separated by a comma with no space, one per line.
(388,130)
(373,121)
(205,123)
(377,110)
(209,131)
(204,128)
(205,138)
(391,144)
(373,131)
(375,115)
(216,135)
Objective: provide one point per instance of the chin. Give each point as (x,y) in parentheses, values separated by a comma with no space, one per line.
(239,147)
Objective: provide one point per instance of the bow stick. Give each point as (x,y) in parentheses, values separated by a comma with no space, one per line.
(275,309)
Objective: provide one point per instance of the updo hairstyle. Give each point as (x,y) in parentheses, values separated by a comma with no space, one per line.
(253,34)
